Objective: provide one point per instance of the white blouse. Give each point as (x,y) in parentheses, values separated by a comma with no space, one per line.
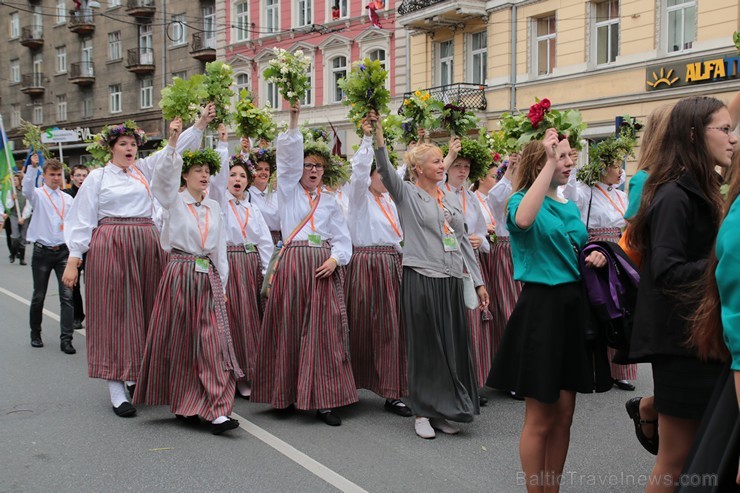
(191,226)
(51,210)
(372,220)
(474,220)
(498,197)
(328,222)
(267,202)
(608,203)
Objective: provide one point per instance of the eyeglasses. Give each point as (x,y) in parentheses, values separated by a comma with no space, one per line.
(725,130)
(310,166)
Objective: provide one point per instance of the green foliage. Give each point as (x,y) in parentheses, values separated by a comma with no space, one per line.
(496,143)
(521,128)
(736,40)
(183,98)
(218,82)
(201,157)
(252,121)
(392,132)
(610,152)
(457,120)
(337,173)
(289,72)
(477,153)
(32,138)
(417,114)
(99,152)
(365,90)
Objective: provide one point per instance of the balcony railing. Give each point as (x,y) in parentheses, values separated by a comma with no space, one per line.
(141,8)
(82,73)
(468,96)
(33,84)
(203,47)
(140,60)
(408,6)
(32,36)
(81,21)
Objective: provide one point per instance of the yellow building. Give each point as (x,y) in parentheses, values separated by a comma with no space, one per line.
(605,58)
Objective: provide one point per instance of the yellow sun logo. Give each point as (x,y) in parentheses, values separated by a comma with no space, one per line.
(663,79)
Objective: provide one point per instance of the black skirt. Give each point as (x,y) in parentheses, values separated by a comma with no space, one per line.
(683,385)
(544,350)
(441,379)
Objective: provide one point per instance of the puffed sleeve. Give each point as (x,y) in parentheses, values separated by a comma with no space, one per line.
(28,187)
(289,158)
(265,246)
(391,180)
(190,140)
(166,182)
(341,243)
(219,181)
(578,192)
(480,227)
(82,217)
(498,196)
(359,182)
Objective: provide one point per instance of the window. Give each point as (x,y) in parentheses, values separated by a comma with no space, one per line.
(338,72)
(61,59)
(304,13)
(242,82)
(61,12)
(146,45)
(379,55)
(446,62)
(61,107)
(38,19)
(182,75)
(145,93)
(479,57)
(242,21)
(307,100)
(114,45)
(681,24)
(15,115)
(38,114)
(273,96)
(114,3)
(15,25)
(338,9)
(179,30)
(115,98)
(209,26)
(15,71)
(87,105)
(272,16)
(607,31)
(544,53)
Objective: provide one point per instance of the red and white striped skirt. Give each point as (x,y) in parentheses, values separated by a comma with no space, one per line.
(303,355)
(373,294)
(245,305)
(481,345)
(122,272)
(189,361)
(619,372)
(505,289)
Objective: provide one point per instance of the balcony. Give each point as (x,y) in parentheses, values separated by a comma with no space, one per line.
(140,60)
(468,96)
(141,8)
(82,73)
(33,84)
(81,21)
(32,37)
(203,47)
(435,14)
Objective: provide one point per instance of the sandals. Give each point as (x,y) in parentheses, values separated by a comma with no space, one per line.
(633,410)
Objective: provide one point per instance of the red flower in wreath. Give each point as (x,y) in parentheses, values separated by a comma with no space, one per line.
(496,157)
(545,103)
(536,114)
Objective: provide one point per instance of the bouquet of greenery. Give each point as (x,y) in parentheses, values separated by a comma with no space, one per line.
(289,72)
(365,90)
(521,129)
(218,82)
(182,98)
(392,132)
(417,113)
(477,153)
(457,120)
(610,151)
(252,121)
(100,153)
(736,40)
(32,138)
(496,143)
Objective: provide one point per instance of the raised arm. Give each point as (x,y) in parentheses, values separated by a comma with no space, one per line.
(149,164)
(219,181)
(391,180)
(359,182)
(167,174)
(289,154)
(192,138)
(28,184)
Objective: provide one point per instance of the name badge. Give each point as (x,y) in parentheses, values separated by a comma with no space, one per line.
(314,240)
(249,248)
(202,265)
(450,243)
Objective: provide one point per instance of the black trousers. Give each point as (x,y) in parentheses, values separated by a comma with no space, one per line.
(45,261)
(77,295)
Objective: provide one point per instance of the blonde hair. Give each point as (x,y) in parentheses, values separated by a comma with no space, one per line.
(416,156)
(652,138)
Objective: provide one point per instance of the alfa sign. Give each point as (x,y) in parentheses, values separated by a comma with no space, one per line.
(708,69)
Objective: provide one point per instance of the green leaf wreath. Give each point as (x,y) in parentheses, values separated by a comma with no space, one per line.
(610,151)
(289,72)
(477,153)
(218,82)
(252,121)
(201,157)
(183,98)
(364,89)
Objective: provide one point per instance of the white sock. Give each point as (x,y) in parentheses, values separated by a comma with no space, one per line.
(324,411)
(244,388)
(219,420)
(117,392)
(129,383)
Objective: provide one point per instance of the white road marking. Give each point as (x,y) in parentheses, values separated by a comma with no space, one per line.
(292,453)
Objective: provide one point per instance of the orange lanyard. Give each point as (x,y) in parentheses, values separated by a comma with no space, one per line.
(485,207)
(311,203)
(242,225)
(464,198)
(60,214)
(203,235)
(388,216)
(139,176)
(620,210)
(441,206)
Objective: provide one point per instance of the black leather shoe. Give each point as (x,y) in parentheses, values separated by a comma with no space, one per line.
(23,262)
(77,325)
(125,410)
(392,406)
(649,443)
(189,420)
(330,418)
(624,385)
(11,258)
(482,401)
(67,347)
(37,342)
(227,425)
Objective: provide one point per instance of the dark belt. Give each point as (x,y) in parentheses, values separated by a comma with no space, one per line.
(52,248)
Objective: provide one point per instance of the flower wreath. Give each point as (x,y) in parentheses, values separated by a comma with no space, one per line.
(609,151)
(201,157)
(111,133)
(244,162)
(266,155)
(477,153)
(521,129)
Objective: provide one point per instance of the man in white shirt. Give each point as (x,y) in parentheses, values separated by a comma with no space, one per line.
(50,253)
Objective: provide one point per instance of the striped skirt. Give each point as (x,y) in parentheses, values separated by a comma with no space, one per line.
(619,372)
(481,344)
(373,291)
(303,355)
(189,361)
(245,305)
(505,289)
(122,272)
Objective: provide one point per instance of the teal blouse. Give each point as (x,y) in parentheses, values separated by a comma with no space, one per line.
(637,182)
(728,280)
(544,253)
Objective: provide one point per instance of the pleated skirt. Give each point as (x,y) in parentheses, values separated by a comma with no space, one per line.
(481,338)
(189,361)
(441,378)
(122,273)
(245,305)
(373,295)
(303,356)
(505,291)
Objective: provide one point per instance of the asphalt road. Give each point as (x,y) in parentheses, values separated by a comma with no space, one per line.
(58,433)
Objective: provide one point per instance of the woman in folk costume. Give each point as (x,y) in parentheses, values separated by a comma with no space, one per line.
(260,193)
(111,220)
(189,361)
(373,283)
(480,189)
(249,248)
(603,205)
(303,359)
(472,160)
(441,378)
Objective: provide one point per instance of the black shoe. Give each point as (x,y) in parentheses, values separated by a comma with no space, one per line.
(624,385)
(131,389)
(227,425)
(286,410)
(402,410)
(67,347)
(189,420)
(11,258)
(516,396)
(77,325)
(23,262)
(37,342)
(633,410)
(125,410)
(482,401)
(330,418)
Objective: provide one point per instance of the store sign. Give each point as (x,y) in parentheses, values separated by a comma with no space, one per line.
(716,68)
(59,135)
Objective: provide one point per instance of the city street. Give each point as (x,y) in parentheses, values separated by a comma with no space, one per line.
(59,434)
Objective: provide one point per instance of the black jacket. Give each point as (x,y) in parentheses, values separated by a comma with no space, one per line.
(681,236)
(72,190)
